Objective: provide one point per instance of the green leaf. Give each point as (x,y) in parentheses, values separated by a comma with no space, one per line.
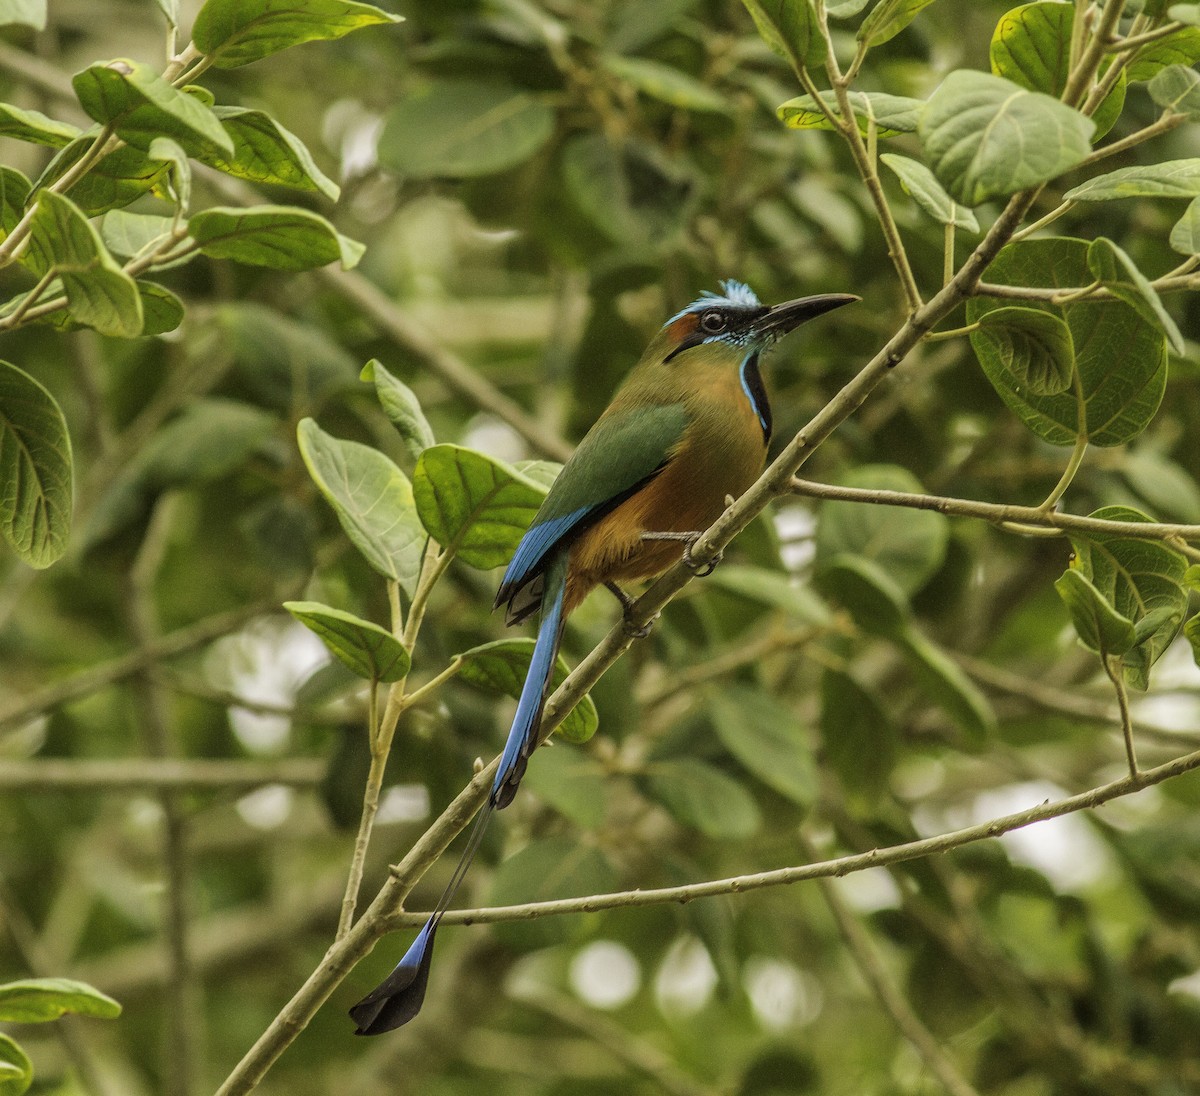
(1137,578)
(502,666)
(790,29)
(364,648)
(1165,485)
(665,83)
(1177,88)
(1035,346)
(35,1000)
(162,311)
(766,737)
(30,13)
(945,683)
(887,19)
(1185,235)
(399,403)
(460,129)
(170,10)
(892,114)
(35,127)
(210,439)
(473,505)
(1120,359)
(266,153)
(1120,275)
(35,468)
(909,546)
(867,592)
(1191,630)
(545,869)
(772,588)
(166,151)
(236,32)
(16,1070)
(1100,627)
(921,184)
(99,293)
(1032,47)
(140,105)
(570,782)
(986,137)
(130,234)
(1169,179)
(14,192)
(281,237)
(858,735)
(118,179)
(373,501)
(1180,48)
(702,797)
(1185,13)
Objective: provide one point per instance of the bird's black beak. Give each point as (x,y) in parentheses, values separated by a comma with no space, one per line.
(791,314)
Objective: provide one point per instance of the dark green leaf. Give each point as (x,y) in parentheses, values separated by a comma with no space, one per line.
(461,129)
(236,32)
(941,679)
(502,666)
(1120,359)
(35,467)
(892,114)
(264,152)
(919,182)
(99,293)
(364,648)
(1120,275)
(1180,48)
(281,237)
(35,1000)
(1032,47)
(140,105)
(907,545)
(209,440)
(118,179)
(867,592)
(1099,625)
(888,18)
(859,736)
(791,29)
(35,127)
(16,1070)
(1137,578)
(473,505)
(162,311)
(373,501)
(766,737)
(546,869)
(702,797)
(986,137)
(399,403)
(14,191)
(1035,346)
(1192,631)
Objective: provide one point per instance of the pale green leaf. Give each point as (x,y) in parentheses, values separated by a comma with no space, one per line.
(35,1000)
(16,1070)
(366,649)
(280,237)
(1121,277)
(986,137)
(400,404)
(665,83)
(35,127)
(888,18)
(922,185)
(29,13)
(892,114)
(1168,179)
(1177,87)
(35,469)
(702,797)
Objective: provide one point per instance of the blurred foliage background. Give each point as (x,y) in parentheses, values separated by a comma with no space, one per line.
(639,160)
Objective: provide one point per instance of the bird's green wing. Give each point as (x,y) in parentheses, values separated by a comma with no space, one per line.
(619,455)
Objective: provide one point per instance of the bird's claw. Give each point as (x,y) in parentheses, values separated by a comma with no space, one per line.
(700,570)
(636,631)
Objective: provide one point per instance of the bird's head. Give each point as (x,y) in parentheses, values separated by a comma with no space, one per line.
(736,318)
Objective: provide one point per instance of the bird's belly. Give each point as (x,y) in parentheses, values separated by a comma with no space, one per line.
(688,495)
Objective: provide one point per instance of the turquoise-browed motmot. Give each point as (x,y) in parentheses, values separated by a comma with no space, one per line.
(688,429)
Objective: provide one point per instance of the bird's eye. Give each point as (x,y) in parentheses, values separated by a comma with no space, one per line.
(714,321)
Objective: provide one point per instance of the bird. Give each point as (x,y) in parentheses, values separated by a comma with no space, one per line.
(687,430)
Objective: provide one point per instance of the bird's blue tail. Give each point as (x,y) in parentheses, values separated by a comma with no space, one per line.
(398,998)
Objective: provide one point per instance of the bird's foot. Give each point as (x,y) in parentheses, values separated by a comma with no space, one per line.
(689,542)
(634,631)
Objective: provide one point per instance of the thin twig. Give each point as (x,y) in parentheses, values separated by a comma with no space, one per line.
(120,776)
